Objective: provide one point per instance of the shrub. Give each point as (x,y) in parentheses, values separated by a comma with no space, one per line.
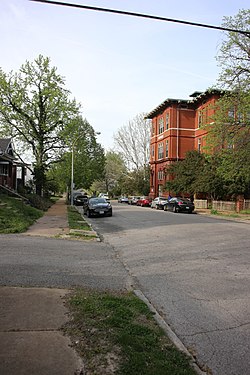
(38,202)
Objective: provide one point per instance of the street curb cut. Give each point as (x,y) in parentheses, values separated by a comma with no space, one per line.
(169,332)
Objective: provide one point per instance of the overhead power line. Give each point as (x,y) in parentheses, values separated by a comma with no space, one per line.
(141,15)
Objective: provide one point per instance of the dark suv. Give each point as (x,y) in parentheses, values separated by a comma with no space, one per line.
(79,199)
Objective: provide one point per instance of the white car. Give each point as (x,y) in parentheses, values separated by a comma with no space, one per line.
(159,203)
(104,195)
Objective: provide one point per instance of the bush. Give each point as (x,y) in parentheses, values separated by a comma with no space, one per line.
(38,202)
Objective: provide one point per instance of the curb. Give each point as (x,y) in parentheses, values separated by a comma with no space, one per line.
(169,332)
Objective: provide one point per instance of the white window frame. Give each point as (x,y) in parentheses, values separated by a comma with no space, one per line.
(167,121)
(167,149)
(160,151)
(160,125)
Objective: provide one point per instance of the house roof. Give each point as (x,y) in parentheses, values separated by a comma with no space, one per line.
(4,144)
(161,107)
(6,148)
(197,97)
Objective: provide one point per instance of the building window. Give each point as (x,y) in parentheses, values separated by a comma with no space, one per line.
(4,169)
(231,113)
(160,151)
(160,175)
(240,117)
(153,129)
(200,118)
(167,149)
(161,126)
(167,121)
(199,144)
(152,151)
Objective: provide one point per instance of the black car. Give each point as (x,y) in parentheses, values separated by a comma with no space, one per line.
(179,205)
(97,207)
(79,199)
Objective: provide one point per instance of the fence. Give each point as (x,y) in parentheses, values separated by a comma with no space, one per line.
(224,206)
(221,205)
(201,203)
(246,205)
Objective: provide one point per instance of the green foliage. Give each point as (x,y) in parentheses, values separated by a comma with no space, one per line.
(15,215)
(39,202)
(225,173)
(186,174)
(88,162)
(234,54)
(35,110)
(120,326)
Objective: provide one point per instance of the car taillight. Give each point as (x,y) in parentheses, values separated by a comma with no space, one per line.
(179,203)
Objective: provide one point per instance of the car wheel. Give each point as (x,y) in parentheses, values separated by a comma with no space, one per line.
(89,213)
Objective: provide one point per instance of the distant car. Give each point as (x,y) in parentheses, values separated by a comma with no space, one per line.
(144,202)
(123,199)
(104,195)
(97,207)
(79,199)
(133,200)
(159,203)
(179,205)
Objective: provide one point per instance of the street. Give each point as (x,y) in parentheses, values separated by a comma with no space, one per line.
(194,269)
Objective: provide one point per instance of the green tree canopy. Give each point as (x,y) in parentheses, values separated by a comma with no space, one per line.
(234,54)
(35,110)
(88,154)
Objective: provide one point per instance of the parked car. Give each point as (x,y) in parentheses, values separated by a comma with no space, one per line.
(79,199)
(179,205)
(133,200)
(104,195)
(144,202)
(159,203)
(123,199)
(97,206)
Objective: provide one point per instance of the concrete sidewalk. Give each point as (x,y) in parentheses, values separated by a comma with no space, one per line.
(31,342)
(54,221)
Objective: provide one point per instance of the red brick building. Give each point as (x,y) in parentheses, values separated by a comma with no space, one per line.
(176,129)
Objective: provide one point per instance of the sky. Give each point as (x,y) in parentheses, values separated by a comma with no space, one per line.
(118,66)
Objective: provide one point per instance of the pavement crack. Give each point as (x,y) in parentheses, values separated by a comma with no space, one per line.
(30,330)
(217,330)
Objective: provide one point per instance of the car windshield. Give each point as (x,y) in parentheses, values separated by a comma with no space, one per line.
(97,200)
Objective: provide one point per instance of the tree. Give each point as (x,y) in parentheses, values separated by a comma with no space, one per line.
(229,133)
(197,173)
(234,170)
(183,174)
(89,157)
(115,170)
(35,110)
(132,141)
(234,55)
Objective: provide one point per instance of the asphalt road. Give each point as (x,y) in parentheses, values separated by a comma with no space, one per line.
(194,269)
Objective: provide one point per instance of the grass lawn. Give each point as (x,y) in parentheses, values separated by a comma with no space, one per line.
(115,333)
(15,215)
